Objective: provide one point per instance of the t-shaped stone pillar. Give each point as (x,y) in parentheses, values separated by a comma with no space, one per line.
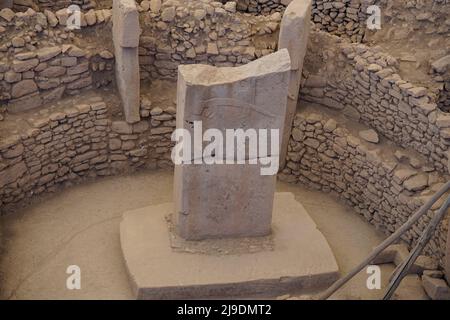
(229,200)
(126,32)
(294,34)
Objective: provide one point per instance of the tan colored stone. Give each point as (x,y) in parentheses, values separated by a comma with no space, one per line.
(12,174)
(294,34)
(229,200)
(23,88)
(301,258)
(126,32)
(126,29)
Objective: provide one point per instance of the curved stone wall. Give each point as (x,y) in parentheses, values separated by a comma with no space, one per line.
(356,81)
(78,142)
(364,84)
(374,180)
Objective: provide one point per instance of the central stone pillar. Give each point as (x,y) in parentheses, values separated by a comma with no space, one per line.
(229,200)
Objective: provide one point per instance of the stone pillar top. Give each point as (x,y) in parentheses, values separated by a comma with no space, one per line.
(126,23)
(223,200)
(197,74)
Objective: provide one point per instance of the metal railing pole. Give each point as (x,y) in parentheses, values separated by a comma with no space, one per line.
(391,239)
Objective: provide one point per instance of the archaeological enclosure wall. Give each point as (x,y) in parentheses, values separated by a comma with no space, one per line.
(41,62)
(349,82)
(365,85)
(77,142)
(198,32)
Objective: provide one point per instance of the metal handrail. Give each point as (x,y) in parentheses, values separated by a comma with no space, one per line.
(403,270)
(390,240)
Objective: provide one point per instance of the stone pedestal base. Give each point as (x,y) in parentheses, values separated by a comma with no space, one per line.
(296,257)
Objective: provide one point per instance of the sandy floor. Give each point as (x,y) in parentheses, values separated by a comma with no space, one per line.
(79,226)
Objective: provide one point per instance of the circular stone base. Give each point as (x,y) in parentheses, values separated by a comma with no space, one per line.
(300,259)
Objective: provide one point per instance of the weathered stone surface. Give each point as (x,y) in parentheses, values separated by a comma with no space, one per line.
(23,88)
(416,183)
(436,289)
(294,31)
(22,66)
(24,103)
(447,252)
(6,13)
(441,65)
(155,6)
(11,174)
(126,29)
(229,199)
(48,53)
(126,32)
(369,135)
(294,34)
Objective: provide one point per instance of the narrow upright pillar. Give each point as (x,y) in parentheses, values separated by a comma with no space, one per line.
(229,200)
(294,34)
(126,32)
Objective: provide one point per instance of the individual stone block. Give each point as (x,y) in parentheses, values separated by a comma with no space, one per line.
(126,32)
(228,200)
(436,289)
(294,33)
(215,201)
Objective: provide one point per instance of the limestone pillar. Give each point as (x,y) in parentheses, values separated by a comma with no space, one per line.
(229,200)
(294,34)
(126,32)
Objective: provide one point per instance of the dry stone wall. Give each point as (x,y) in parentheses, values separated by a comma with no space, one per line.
(260,6)
(363,83)
(39,63)
(344,18)
(79,142)
(23,5)
(202,32)
(348,18)
(377,183)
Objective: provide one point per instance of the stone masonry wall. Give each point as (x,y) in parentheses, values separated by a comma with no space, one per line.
(23,5)
(202,32)
(348,18)
(363,83)
(260,6)
(344,18)
(38,64)
(326,156)
(78,142)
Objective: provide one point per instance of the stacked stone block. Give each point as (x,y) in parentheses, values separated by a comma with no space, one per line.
(79,142)
(368,89)
(184,32)
(326,156)
(36,71)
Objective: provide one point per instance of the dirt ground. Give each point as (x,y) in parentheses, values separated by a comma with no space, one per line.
(80,226)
